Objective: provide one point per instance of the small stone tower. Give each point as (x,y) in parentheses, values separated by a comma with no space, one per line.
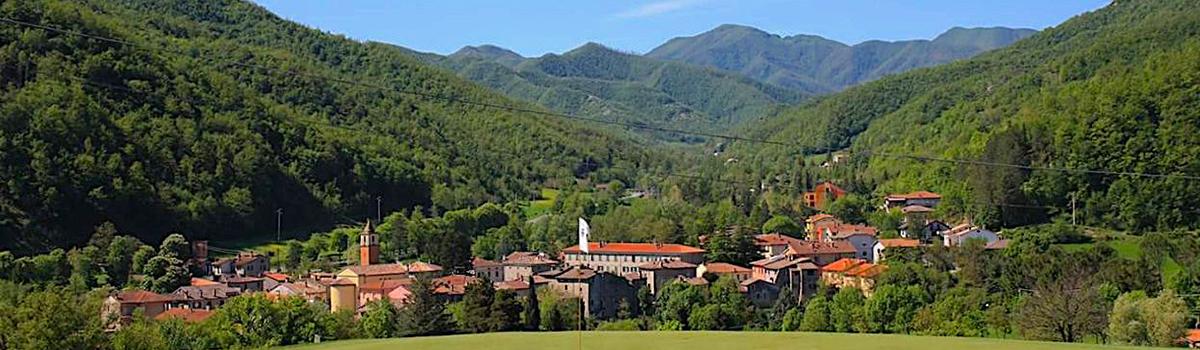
(368,246)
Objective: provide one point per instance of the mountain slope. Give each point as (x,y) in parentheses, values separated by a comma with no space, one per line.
(1115,89)
(814,63)
(232,113)
(598,82)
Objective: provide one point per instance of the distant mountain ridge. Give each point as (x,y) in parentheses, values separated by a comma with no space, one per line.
(598,82)
(814,63)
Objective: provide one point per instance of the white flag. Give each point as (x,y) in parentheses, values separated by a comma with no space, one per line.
(584,232)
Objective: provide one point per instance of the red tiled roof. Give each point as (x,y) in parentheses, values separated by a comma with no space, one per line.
(141,297)
(636,248)
(278,277)
(633,276)
(774,239)
(342,282)
(384,286)
(866,270)
(695,281)
(241,279)
(1192,336)
(846,230)
(915,195)
(843,265)
(819,217)
(577,273)
(529,259)
(900,243)
(452,284)
(512,285)
(185,314)
(478,262)
(777,262)
(197,281)
(915,209)
(997,244)
(753,281)
(393,269)
(421,266)
(805,248)
(722,268)
(672,265)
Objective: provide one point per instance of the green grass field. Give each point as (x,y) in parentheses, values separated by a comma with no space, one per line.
(540,206)
(1130,248)
(694,341)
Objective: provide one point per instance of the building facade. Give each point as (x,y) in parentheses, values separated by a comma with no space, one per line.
(622,258)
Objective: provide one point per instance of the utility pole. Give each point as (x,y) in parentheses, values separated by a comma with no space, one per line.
(278,224)
(378,209)
(1073,209)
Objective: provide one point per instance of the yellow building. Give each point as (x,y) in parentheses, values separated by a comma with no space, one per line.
(343,295)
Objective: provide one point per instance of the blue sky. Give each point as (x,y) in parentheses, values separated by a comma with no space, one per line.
(536,27)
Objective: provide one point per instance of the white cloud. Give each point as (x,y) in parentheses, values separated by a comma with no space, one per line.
(657,8)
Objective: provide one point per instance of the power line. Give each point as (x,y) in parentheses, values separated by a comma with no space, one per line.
(463,101)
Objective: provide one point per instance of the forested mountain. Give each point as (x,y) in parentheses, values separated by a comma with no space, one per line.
(216,113)
(597,82)
(813,63)
(1116,89)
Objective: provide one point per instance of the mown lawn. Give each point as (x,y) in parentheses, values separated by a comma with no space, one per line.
(694,341)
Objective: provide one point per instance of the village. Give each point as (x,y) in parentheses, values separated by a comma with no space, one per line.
(602,275)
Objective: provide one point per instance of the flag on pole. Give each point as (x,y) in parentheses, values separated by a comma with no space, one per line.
(584,232)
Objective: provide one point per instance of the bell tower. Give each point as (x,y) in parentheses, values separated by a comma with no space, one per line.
(368,245)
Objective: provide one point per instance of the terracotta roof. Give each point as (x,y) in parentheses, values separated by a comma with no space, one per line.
(214,292)
(636,248)
(577,273)
(512,285)
(141,297)
(900,243)
(1192,336)
(806,264)
(421,266)
(819,217)
(452,284)
(550,273)
(915,195)
(197,281)
(393,269)
(633,276)
(777,262)
(185,314)
(342,282)
(804,248)
(843,265)
(278,277)
(695,281)
(672,265)
(302,287)
(997,244)
(753,281)
(774,239)
(241,279)
(721,268)
(384,286)
(528,259)
(915,209)
(866,270)
(478,262)
(841,231)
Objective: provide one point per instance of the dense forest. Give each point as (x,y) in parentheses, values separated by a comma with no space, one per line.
(209,116)
(598,82)
(1110,90)
(814,63)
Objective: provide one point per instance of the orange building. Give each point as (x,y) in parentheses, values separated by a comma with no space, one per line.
(822,194)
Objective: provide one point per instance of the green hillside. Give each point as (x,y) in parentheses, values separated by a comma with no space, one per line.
(220,112)
(598,82)
(813,63)
(696,341)
(1115,89)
